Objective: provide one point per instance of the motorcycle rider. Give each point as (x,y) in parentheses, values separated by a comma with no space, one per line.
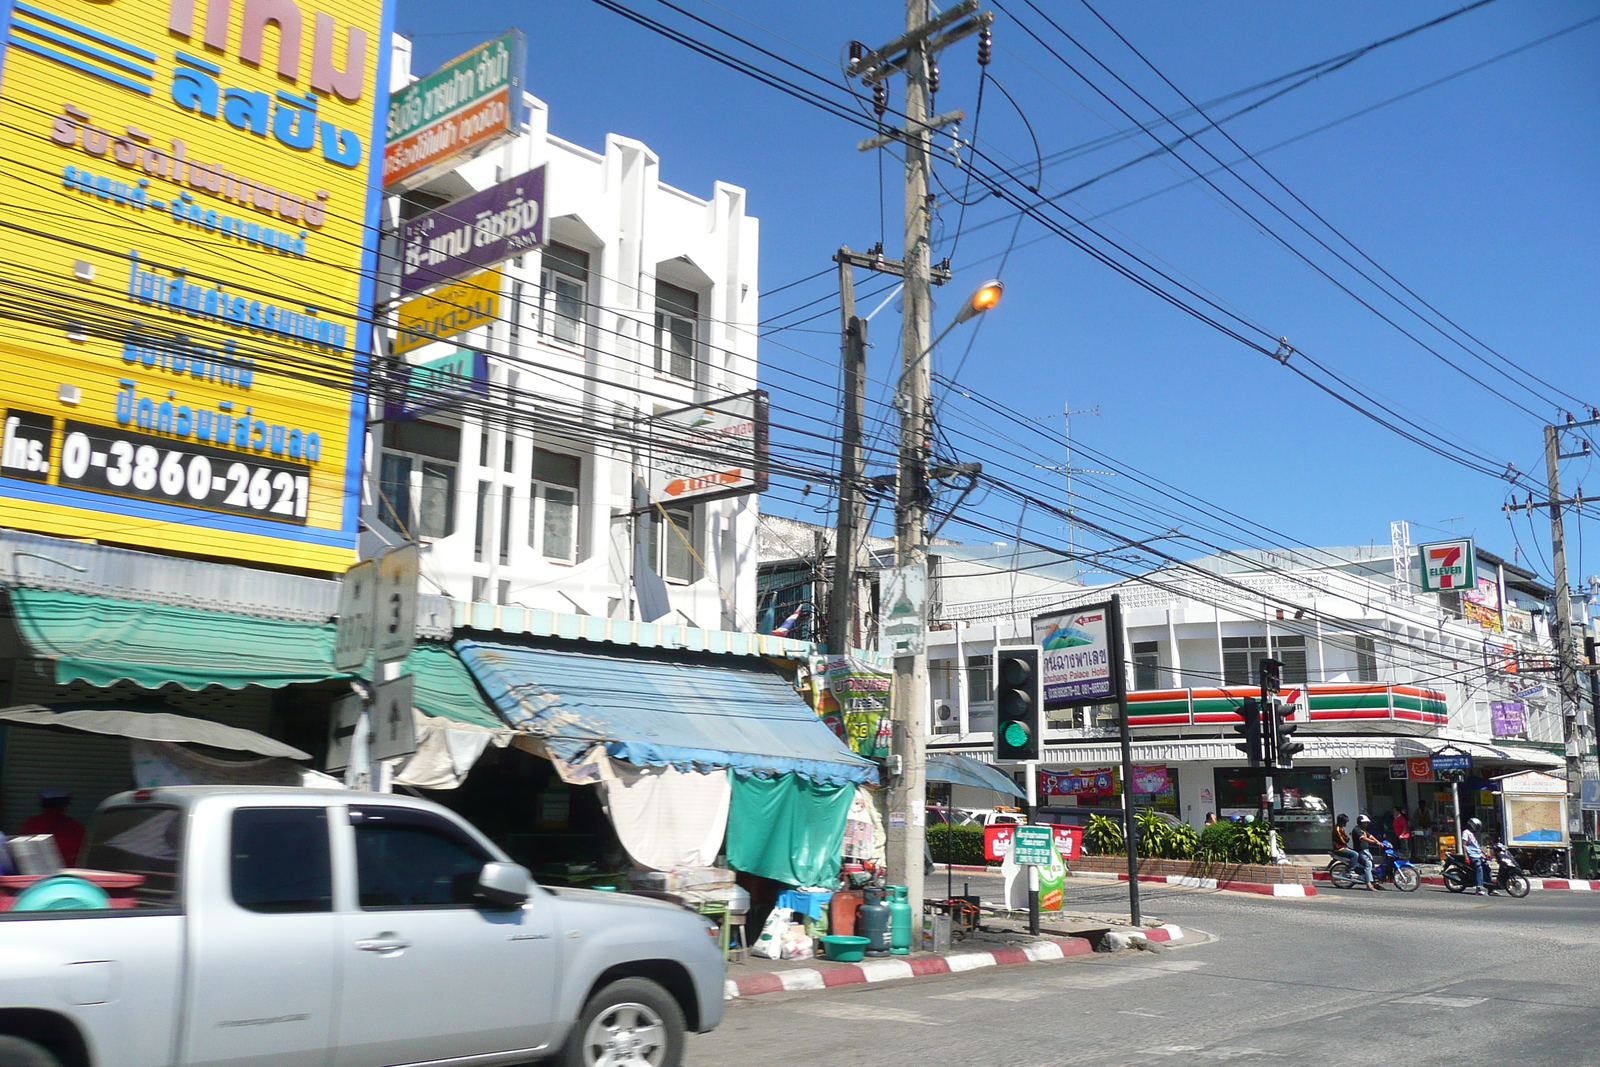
(1341,843)
(1366,846)
(1476,855)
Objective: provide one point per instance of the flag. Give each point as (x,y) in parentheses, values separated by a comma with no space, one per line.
(789,623)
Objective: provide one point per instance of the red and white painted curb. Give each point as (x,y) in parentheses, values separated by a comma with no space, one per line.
(829,975)
(1266,889)
(1574,885)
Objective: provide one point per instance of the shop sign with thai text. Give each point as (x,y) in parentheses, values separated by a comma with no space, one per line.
(467,106)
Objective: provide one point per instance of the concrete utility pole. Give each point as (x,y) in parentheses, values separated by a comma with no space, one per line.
(910,53)
(843,610)
(1566,655)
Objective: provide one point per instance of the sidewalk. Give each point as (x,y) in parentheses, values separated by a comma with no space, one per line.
(1001,943)
(1266,889)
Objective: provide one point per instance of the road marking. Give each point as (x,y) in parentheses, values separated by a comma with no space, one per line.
(1144,1014)
(1222,1052)
(868,1013)
(1437,1000)
(1101,978)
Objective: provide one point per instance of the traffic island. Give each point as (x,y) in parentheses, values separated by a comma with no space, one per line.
(996,945)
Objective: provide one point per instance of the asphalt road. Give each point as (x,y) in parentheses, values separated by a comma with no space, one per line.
(1348,977)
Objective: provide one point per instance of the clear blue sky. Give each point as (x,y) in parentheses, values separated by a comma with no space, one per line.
(1480,194)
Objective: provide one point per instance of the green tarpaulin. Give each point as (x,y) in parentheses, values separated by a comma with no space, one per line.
(788,828)
(104,640)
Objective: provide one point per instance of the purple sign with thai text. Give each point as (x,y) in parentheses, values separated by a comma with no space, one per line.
(1508,718)
(479,231)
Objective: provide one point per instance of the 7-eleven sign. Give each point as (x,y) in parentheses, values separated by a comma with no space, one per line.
(1448,566)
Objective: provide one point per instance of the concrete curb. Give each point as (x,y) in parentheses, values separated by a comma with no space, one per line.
(1265,889)
(1572,885)
(829,975)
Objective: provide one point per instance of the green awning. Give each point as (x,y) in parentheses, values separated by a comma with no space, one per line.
(105,640)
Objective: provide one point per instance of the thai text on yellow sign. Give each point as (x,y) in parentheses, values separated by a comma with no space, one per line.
(448,311)
(191,228)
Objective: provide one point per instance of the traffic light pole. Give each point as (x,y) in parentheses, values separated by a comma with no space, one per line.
(1033,871)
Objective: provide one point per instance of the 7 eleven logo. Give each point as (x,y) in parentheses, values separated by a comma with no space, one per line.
(1447,566)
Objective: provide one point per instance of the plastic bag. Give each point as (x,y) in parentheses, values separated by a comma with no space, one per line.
(769,945)
(797,944)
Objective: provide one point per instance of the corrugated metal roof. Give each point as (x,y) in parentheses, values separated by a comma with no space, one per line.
(656,712)
(541,623)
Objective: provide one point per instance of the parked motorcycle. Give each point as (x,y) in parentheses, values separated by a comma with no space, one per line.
(1542,862)
(1459,875)
(1389,867)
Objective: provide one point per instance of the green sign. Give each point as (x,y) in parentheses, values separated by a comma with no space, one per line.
(1448,566)
(1034,846)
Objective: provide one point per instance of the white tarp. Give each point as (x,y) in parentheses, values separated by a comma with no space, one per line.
(446,751)
(667,818)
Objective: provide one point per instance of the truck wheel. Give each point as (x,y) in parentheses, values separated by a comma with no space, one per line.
(630,1023)
(19,1052)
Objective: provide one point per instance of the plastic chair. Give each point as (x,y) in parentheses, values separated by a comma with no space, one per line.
(736,942)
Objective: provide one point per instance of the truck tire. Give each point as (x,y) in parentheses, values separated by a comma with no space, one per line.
(20,1052)
(632,1022)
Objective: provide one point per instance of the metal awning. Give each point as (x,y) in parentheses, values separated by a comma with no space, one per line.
(147,721)
(659,711)
(104,640)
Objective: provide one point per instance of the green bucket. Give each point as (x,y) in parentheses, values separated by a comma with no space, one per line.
(843,948)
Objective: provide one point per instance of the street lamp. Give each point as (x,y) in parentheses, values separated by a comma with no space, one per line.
(983,298)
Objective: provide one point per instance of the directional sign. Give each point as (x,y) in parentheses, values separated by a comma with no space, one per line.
(394,729)
(341,730)
(1033,845)
(357,606)
(396,614)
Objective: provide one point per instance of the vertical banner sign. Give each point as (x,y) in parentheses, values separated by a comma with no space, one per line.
(467,106)
(1077,656)
(1448,566)
(190,243)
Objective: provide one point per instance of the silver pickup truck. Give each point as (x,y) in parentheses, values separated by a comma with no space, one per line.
(252,927)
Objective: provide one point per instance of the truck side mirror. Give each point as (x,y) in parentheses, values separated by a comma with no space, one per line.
(506,885)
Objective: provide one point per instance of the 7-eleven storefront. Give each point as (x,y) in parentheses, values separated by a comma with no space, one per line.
(1356,736)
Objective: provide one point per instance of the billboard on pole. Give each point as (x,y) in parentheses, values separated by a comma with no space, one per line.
(1077,660)
(709,451)
(470,104)
(1448,566)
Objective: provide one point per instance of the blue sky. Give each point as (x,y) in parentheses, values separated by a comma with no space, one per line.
(1479,194)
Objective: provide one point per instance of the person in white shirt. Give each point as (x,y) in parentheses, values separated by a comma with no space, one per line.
(1474,852)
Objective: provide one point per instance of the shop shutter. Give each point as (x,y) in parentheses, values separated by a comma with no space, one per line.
(95,766)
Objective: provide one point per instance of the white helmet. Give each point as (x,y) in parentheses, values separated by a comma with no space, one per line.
(1362,820)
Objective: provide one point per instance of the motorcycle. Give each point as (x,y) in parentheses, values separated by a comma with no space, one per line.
(1389,867)
(1459,875)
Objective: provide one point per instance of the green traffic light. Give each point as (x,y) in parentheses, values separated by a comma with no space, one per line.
(1016,734)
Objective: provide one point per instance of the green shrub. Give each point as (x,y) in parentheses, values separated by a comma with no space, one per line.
(1230,842)
(957,844)
(1217,842)
(1103,837)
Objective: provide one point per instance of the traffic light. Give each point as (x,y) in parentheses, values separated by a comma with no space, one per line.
(1271,677)
(1018,703)
(1250,730)
(1284,746)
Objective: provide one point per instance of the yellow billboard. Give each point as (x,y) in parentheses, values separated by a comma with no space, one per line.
(190,233)
(448,311)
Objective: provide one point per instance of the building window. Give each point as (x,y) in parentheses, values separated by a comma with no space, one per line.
(417,478)
(480,532)
(670,542)
(1366,660)
(980,680)
(563,294)
(1242,656)
(677,324)
(553,505)
(505,525)
(1146,675)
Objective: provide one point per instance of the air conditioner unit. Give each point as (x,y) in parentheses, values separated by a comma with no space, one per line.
(945,715)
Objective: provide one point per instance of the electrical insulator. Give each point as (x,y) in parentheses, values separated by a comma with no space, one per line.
(985,46)
(880,98)
(933,78)
(857,50)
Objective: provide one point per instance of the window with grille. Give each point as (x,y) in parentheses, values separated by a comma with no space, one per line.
(1366,659)
(1242,656)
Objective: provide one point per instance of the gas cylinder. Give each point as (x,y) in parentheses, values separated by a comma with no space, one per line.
(872,923)
(899,921)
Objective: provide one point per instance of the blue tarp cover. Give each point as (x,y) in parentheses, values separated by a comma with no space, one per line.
(654,712)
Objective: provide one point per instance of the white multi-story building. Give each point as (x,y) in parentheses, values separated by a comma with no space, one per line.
(1376,672)
(643,301)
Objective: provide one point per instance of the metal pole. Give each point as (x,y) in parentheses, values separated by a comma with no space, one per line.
(852,508)
(1130,828)
(1571,697)
(907,791)
(1033,872)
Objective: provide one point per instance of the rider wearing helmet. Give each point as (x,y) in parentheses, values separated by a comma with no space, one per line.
(1366,845)
(1475,854)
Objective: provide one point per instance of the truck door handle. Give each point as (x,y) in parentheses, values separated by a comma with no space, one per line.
(385,942)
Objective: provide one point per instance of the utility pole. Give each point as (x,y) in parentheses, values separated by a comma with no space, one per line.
(910,53)
(843,611)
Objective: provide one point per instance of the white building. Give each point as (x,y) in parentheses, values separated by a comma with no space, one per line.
(643,301)
(1378,674)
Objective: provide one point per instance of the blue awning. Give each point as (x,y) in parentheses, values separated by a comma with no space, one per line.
(656,712)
